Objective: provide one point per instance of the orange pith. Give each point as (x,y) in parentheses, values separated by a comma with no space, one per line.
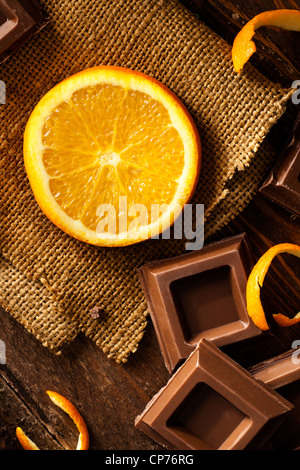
(71,410)
(255,283)
(244,47)
(106,135)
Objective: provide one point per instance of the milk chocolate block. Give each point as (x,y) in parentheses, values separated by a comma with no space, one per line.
(199,294)
(282,373)
(283,184)
(212,403)
(19,20)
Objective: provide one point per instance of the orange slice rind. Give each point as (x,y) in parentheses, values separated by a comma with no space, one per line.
(255,283)
(105,149)
(244,47)
(65,405)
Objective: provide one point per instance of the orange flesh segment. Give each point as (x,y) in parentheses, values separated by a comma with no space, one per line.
(71,410)
(243,46)
(105,140)
(255,283)
(118,160)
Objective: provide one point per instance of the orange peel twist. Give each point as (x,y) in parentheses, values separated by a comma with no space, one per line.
(71,410)
(243,46)
(255,283)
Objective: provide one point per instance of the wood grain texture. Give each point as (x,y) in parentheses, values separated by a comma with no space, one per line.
(110,396)
(277,57)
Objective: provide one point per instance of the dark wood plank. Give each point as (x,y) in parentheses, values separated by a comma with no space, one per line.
(277,54)
(277,57)
(267,224)
(14,410)
(108,395)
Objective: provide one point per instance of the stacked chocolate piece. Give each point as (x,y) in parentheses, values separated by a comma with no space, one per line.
(282,373)
(283,184)
(197,295)
(197,303)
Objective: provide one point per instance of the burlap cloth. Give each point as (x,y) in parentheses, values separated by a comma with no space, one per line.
(49,281)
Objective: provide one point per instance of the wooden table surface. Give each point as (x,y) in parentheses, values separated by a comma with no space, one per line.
(108,395)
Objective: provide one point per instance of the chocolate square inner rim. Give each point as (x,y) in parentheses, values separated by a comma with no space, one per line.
(205,417)
(197,298)
(179,291)
(199,294)
(212,403)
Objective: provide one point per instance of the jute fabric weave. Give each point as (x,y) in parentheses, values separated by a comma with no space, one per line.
(49,281)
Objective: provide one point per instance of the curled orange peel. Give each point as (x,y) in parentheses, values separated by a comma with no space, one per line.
(25,442)
(255,283)
(243,46)
(71,410)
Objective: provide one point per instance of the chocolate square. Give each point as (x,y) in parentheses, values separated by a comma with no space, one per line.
(19,20)
(199,294)
(282,373)
(212,403)
(283,184)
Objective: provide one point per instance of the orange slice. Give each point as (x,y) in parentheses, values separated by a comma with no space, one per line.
(71,410)
(243,46)
(112,156)
(255,283)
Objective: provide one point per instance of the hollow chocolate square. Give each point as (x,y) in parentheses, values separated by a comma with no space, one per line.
(283,184)
(19,20)
(212,403)
(282,373)
(199,294)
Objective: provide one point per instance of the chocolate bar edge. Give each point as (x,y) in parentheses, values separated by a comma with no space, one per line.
(268,428)
(271,188)
(289,370)
(41,20)
(172,362)
(278,194)
(164,350)
(205,249)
